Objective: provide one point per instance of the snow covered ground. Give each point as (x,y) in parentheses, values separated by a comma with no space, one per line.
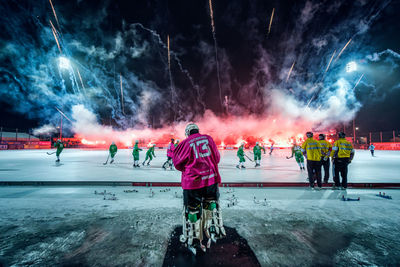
(87,165)
(53,226)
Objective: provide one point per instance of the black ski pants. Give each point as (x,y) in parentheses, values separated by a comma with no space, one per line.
(341,167)
(314,172)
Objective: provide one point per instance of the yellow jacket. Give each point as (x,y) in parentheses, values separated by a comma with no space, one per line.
(343,147)
(326,148)
(312,148)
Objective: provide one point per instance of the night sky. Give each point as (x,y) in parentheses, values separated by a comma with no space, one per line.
(110,42)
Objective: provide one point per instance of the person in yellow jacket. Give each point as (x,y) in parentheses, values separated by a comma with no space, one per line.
(311,148)
(325,154)
(342,154)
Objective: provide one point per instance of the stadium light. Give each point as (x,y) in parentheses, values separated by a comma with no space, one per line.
(64,63)
(351,66)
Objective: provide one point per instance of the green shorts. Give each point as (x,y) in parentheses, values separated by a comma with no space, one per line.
(299,158)
(241,159)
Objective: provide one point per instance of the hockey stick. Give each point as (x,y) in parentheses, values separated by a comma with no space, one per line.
(106,160)
(51,153)
(249,158)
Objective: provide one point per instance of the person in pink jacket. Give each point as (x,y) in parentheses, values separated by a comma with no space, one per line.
(170,152)
(197,157)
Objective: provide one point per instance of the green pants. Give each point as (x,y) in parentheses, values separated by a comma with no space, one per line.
(59,150)
(149,156)
(299,158)
(257,156)
(112,154)
(241,159)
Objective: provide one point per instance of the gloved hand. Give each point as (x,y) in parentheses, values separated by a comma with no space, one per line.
(326,158)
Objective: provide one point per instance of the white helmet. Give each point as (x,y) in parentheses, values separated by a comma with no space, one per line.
(136,141)
(177,141)
(113,143)
(58,140)
(189,127)
(257,143)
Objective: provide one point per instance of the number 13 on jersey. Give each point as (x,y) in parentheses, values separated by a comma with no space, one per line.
(201,148)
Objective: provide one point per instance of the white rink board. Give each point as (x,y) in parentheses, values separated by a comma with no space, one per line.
(87,165)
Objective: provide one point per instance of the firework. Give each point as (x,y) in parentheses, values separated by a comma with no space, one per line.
(62,113)
(309,102)
(122,93)
(216,51)
(270,21)
(80,78)
(341,51)
(359,80)
(290,71)
(55,14)
(55,37)
(330,61)
(212,16)
(169,53)
(169,71)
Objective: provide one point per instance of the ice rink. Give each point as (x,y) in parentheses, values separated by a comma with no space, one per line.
(71,226)
(87,165)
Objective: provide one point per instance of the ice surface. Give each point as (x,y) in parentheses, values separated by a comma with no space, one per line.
(87,165)
(52,226)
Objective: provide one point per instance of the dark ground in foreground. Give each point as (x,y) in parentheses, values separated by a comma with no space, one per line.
(296,227)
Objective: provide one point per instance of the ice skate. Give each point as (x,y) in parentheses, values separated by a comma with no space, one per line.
(57,160)
(243,167)
(237,166)
(111,161)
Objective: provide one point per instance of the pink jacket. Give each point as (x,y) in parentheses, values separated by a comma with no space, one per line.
(170,150)
(197,157)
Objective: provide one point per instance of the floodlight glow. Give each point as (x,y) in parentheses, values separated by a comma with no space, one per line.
(64,63)
(351,66)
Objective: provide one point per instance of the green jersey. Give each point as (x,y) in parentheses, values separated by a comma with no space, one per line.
(113,150)
(240,152)
(135,152)
(257,150)
(60,147)
(150,151)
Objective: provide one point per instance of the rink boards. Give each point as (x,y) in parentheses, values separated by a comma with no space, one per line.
(85,167)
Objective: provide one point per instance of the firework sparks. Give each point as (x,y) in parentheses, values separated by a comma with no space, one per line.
(309,102)
(216,51)
(270,21)
(212,17)
(169,70)
(52,26)
(359,80)
(341,51)
(122,93)
(65,116)
(169,53)
(55,14)
(290,71)
(80,78)
(330,61)
(55,37)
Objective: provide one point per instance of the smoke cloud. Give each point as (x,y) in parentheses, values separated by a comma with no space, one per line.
(264,96)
